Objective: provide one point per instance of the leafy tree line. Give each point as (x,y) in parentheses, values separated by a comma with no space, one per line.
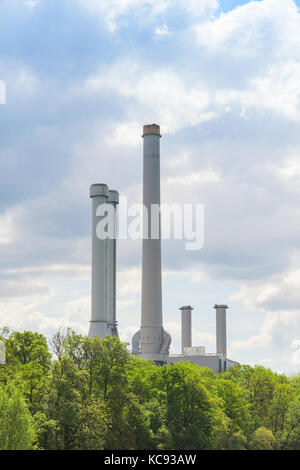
(96,395)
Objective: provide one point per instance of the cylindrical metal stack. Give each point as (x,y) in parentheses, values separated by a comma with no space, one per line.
(112,202)
(151,322)
(152,341)
(186,327)
(103,318)
(221,329)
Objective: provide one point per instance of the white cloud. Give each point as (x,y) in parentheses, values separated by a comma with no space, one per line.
(278,301)
(161,95)
(280,292)
(116,12)
(31,3)
(276,90)
(261,42)
(125,134)
(22,288)
(289,170)
(178,161)
(7,230)
(244,30)
(197,177)
(25,81)
(129,282)
(163,30)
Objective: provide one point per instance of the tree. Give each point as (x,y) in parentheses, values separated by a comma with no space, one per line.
(17,430)
(46,430)
(94,423)
(259,386)
(226,438)
(147,404)
(234,405)
(262,439)
(282,397)
(22,348)
(290,439)
(67,387)
(32,380)
(189,407)
(96,395)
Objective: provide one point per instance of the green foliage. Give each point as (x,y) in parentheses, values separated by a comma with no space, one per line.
(16,424)
(235,405)
(290,437)
(93,394)
(22,348)
(66,388)
(262,439)
(93,425)
(189,407)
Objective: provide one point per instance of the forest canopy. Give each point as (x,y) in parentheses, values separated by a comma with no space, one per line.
(86,393)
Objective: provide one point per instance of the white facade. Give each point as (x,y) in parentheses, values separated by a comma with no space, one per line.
(214,362)
(194,351)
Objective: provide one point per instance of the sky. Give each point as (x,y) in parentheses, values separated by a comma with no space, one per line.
(222,78)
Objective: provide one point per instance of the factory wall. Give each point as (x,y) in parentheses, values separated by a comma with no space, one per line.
(216,363)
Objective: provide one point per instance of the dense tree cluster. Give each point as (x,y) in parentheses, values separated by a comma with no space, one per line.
(93,394)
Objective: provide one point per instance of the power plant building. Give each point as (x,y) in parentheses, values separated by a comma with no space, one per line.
(218,361)
(151,341)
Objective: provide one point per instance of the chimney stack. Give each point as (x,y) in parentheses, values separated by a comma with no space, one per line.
(98,323)
(186,327)
(152,342)
(103,319)
(221,329)
(112,202)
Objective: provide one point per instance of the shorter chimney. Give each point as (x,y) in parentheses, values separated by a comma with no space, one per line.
(221,329)
(186,327)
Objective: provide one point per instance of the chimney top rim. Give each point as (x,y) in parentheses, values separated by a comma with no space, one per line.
(151,129)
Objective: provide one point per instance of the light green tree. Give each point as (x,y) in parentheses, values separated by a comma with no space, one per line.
(261,439)
(26,347)
(17,431)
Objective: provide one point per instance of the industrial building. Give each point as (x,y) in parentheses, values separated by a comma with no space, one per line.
(151,341)
(218,361)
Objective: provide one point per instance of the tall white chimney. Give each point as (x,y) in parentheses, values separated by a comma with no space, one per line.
(98,323)
(112,202)
(186,327)
(221,329)
(152,342)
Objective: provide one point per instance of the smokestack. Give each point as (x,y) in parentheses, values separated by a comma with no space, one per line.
(186,327)
(112,202)
(98,323)
(152,342)
(221,329)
